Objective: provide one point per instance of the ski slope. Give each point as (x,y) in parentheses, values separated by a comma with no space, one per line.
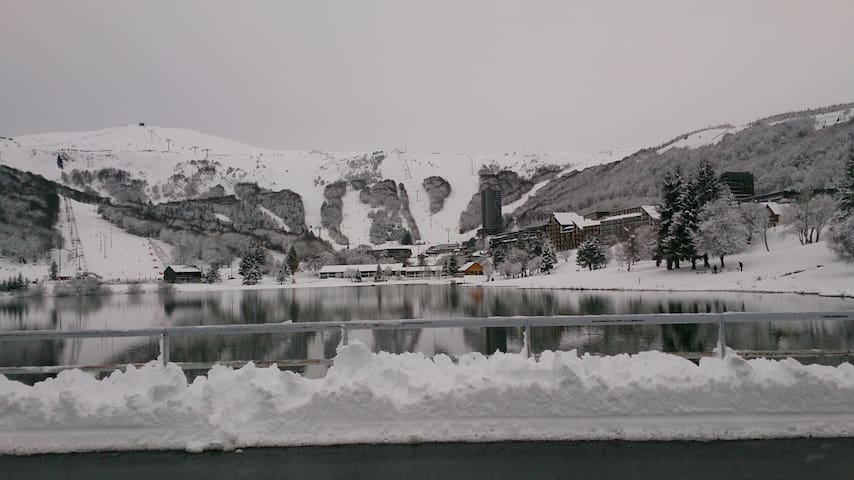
(109,251)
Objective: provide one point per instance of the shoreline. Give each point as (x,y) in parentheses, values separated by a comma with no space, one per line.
(121,288)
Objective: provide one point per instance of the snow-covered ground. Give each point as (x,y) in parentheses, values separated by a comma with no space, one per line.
(709,136)
(789,267)
(388,398)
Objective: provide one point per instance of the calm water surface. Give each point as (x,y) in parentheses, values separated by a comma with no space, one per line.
(402,301)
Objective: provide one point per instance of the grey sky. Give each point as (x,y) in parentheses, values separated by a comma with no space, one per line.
(435,75)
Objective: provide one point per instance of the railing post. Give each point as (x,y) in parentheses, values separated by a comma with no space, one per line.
(164,348)
(345,335)
(721,336)
(528,352)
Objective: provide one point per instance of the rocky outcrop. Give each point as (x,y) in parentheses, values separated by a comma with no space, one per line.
(438,189)
(247,190)
(332,211)
(118,184)
(288,206)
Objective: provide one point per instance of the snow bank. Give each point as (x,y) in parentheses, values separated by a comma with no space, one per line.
(379,398)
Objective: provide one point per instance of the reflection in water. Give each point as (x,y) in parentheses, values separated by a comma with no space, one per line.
(400,301)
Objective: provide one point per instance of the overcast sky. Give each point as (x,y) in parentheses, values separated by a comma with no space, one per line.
(433,75)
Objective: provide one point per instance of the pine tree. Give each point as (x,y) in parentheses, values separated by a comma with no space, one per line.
(841,235)
(548,258)
(452,265)
(292,261)
(671,190)
(707,185)
(212,275)
(53,272)
(845,195)
(283,273)
(378,275)
(253,275)
(591,254)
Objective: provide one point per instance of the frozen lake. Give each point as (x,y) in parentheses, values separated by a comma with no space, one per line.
(403,301)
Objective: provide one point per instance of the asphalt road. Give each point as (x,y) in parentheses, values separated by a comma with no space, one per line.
(824,459)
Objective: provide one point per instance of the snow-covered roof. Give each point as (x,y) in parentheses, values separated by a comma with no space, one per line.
(424,268)
(366,267)
(468,265)
(222,218)
(569,218)
(620,217)
(185,268)
(776,208)
(652,211)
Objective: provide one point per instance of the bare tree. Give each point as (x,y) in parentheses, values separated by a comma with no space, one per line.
(758,219)
(808,216)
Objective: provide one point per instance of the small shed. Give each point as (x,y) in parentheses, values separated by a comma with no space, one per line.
(471,268)
(182,274)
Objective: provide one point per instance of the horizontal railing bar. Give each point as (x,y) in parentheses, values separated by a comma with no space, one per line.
(465,322)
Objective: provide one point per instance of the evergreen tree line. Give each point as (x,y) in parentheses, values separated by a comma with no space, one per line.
(683,198)
(14,284)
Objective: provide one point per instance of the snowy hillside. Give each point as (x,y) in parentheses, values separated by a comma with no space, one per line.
(165,164)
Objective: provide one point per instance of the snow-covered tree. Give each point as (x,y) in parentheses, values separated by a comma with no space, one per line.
(591,254)
(565,255)
(841,238)
(252,275)
(452,265)
(668,248)
(721,229)
(488,268)
(535,264)
(845,194)
(631,247)
(683,197)
(808,215)
(757,219)
(509,269)
(53,272)
(292,260)
(212,275)
(255,256)
(251,263)
(547,258)
(282,273)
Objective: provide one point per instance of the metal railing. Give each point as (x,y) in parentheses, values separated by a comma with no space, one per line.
(526,322)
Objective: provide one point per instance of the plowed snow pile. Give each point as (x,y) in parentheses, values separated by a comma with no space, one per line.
(383,397)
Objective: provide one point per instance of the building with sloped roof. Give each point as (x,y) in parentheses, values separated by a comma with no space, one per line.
(182,274)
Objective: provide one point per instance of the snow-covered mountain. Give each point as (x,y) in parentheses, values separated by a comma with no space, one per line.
(375,197)
(158,164)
